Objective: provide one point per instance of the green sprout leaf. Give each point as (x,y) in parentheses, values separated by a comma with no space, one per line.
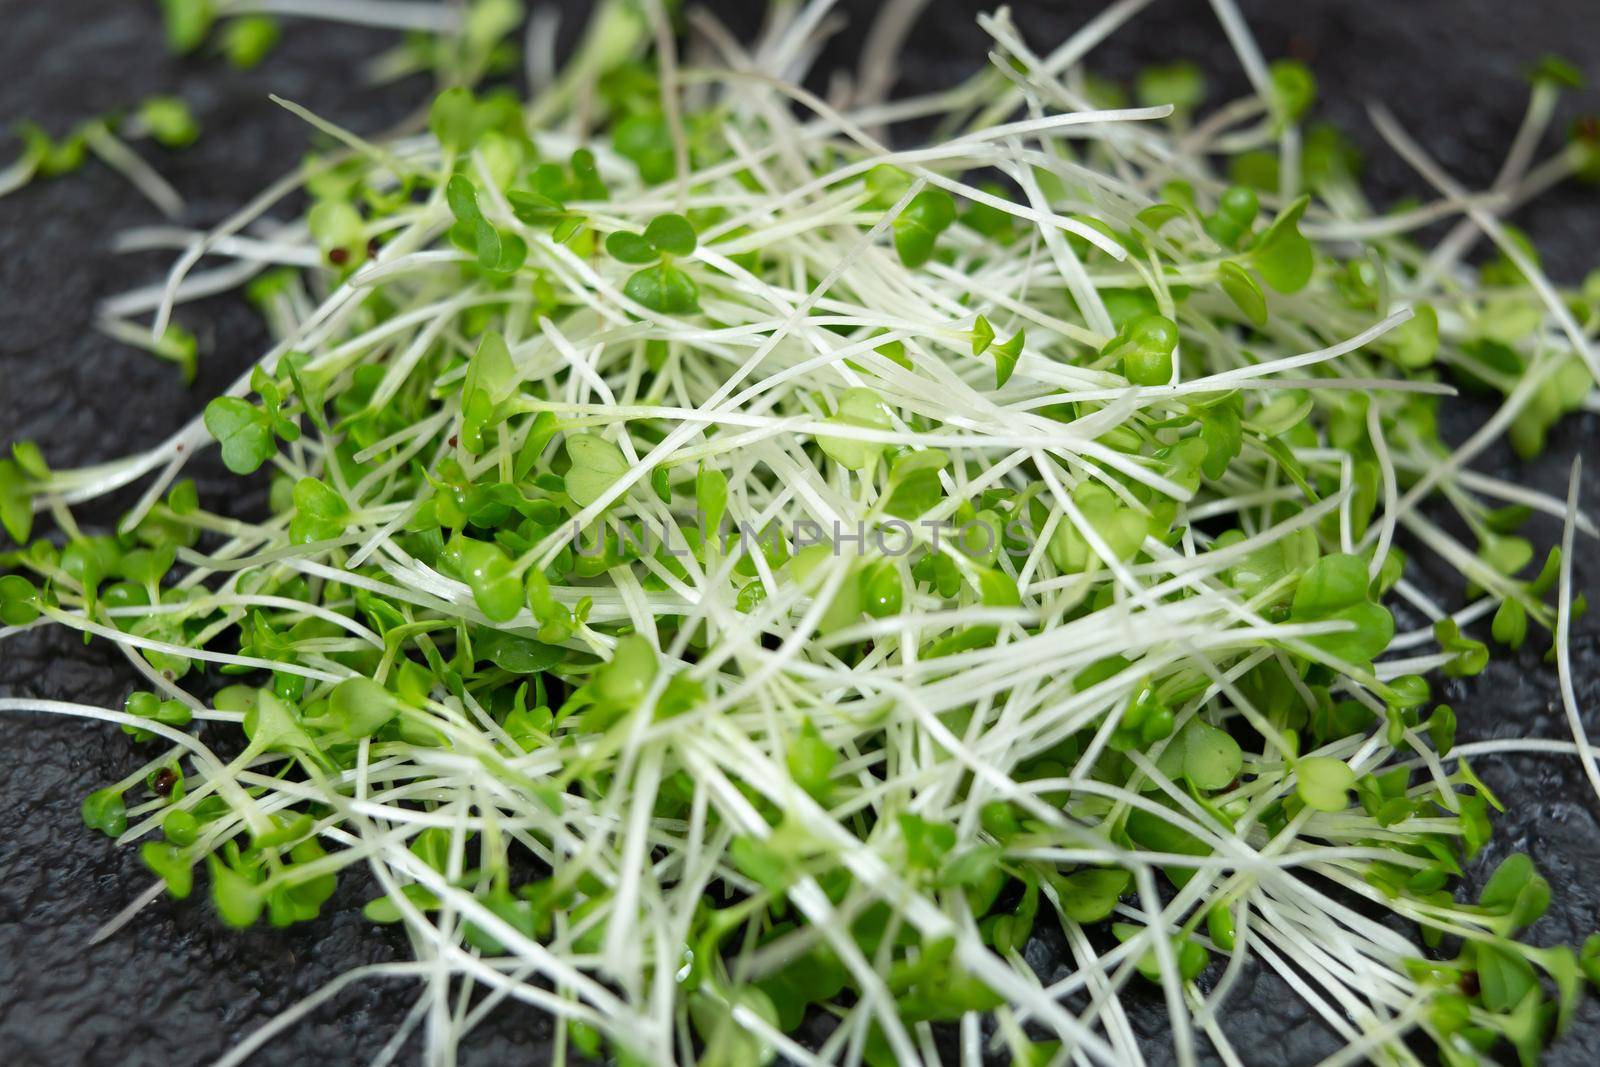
(1589,959)
(497,588)
(103,810)
(1158,215)
(1556,71)
(1324,784)
(1294,89)
(711,497)
(453,119)
(16,502)
(1283,257)
(490,380)
(1516,890)
(1236,212)
(982,336)
(861,408)
(596,465)
(914,485)
(384,910)
(187,23)
(462,197)
(320,512)
(631,248)
(171,865)
(1336,588)
(918,227)
(1471,657)
(1243,291)
(272,725)
(169,120)
(1145,345)
(340,232)
(246,41)
(1510,625)
(623,680)
(1211,757)
(1091,895)
(360,707)
(1504,976)
(19,600)
(238,901)
(1006,356)
(811,761)
(664,289)
(671,235)
(1414,343)
(243,430)
(646,140)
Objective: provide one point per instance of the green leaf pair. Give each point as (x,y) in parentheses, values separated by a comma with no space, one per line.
(1191,956)
(103,810)
(245,432)
(500,253)
(1516,891)
(1324,783)
(1470,657)
(1281,256)
(1236,213)
(1122,528)
(666,235)
(1144,347)
(147,705)
(489,573)
(663,288)
(1006,353)
(1337,588)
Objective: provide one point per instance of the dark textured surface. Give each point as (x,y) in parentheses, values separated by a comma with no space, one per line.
(175,988)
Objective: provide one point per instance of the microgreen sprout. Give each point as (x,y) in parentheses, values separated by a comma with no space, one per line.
(168,120)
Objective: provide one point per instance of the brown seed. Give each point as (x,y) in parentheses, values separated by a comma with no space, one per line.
(1469,984)
(339,256)
(165,779)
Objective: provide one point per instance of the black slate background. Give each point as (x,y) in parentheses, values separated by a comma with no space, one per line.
(175,988)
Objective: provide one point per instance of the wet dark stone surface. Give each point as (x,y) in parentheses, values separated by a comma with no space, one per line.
(175,988)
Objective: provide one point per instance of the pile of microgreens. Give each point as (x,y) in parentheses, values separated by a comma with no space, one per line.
(1112,418)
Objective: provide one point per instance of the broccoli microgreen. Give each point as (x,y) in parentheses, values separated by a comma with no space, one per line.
(609,581)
